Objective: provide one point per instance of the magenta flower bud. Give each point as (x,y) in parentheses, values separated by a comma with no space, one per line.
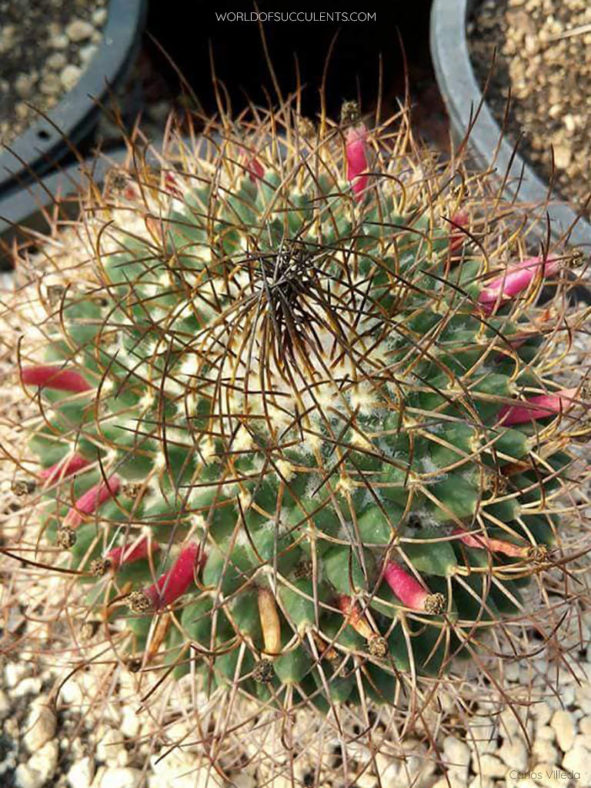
(539,407)
(172,584)
(66,467)
(253,166)
(356,152)
(54,377)
(91,500)
(410,592)
(459,221)
(128,554)
(515,280)
(170,185)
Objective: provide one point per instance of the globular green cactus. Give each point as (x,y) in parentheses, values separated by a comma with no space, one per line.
(300,428)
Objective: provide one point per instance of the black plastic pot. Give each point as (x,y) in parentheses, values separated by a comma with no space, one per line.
(47,141)
(469,113)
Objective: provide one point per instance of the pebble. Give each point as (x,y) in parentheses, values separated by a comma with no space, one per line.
(130,724)
(29,686)
(122,778)
(23,85)
(583,697)
(546,775)
(513,752)
(482,737)
(562,156)
(44,761)
(546,733)
(50,84)
(509,721)
(388,770)
(25,777)
(366,780)
(545,751)
(581,740)
(57,60)
(579,760)
(481,782)
(14,673)
(451,780)
(4,705)
(81,773)
(456,753)
(490,766)
(99,17)
(59,41)
(511,670)
(585,725)
(40,725)
(564,726)
(570,124)
(542,713)
(69,76)
(182,770)
(79,30)
(88,52)
(111,748)
(98,777)
(244,780)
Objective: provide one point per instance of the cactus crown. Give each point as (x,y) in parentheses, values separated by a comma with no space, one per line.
(297,417)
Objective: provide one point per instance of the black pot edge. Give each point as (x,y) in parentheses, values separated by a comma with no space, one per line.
(46,141)
(487,143)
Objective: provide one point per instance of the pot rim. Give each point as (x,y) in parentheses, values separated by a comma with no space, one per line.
(490,148)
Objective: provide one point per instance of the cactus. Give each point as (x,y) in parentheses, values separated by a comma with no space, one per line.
(295,410)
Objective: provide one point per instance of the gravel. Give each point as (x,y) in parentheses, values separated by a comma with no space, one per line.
(543,60)
(44,47)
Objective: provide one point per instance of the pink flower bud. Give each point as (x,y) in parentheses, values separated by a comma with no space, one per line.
(253,166)
(54,377)
(483,542)
(128,554)
(91,500)
(539,407)
(65,467)
(515,280)
(172,584)
(255,169)
(356,152)
(458,221)
(170,185)
(353,614)
(410,592)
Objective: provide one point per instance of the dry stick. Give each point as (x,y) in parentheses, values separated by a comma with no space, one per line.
(575,31)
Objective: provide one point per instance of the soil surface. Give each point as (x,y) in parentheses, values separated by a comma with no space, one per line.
(543,63)
(45,46)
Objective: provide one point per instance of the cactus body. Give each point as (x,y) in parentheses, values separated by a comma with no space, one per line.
(314,410)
